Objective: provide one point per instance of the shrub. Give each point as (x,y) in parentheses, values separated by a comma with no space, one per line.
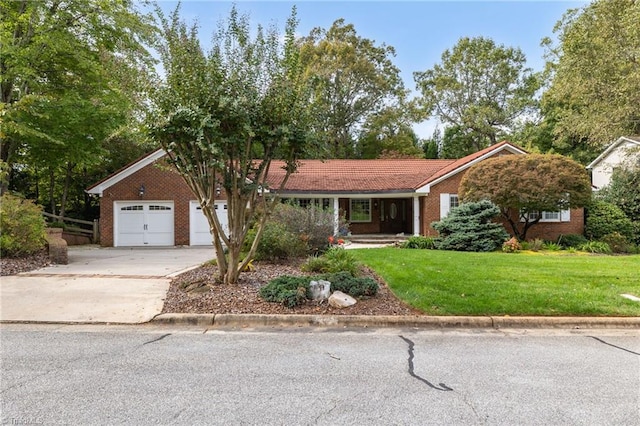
(469,227)
(419,242)
(312,223)
(22,227)
(552,246)
(294,291)
(288,290)
(334,260)
(278,243)
(605,218)
(571,240)
(353,286)
(536,245)
(511,246)
(596,247)
(618,243)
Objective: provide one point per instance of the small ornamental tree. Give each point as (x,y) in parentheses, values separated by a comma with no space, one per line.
(523,185)
(224,116)
(470,227)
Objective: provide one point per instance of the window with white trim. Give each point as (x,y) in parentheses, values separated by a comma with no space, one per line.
(360,210)
(447,202)
(558,216)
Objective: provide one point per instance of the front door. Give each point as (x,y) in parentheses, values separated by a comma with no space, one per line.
(392,216)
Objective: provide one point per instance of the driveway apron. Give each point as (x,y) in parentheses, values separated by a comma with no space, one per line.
(99,285)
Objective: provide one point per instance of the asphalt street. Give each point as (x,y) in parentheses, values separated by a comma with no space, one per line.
(149,374)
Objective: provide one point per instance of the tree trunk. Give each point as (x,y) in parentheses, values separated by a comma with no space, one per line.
(52,183)
(65,189)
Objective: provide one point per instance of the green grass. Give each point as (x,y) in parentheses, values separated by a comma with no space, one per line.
(527,283)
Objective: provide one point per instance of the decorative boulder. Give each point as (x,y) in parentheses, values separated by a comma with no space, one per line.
(320,290)
(341,300)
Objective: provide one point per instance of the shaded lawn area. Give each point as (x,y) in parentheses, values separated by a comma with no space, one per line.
(526,283)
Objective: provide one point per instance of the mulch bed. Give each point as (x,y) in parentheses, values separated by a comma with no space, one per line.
(197,292)
(14,265)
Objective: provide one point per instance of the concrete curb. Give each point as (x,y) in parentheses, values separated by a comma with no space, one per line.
(415,321)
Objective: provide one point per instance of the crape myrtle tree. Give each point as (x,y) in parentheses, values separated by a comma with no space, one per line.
(223,116)
(482,89)
(523,185)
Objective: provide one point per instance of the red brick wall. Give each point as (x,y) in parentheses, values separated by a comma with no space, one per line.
(161,184)
(550,231)
(372,227)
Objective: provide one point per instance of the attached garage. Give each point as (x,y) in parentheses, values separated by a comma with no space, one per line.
(143,223)
(199,234)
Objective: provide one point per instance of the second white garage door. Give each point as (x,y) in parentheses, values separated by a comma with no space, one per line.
(199,234)
(143,224)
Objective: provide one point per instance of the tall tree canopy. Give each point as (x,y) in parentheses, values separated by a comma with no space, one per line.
(354,80)
(523,186)
(219,112)
(72,74)
(594,95)
(481,88)
(389,133)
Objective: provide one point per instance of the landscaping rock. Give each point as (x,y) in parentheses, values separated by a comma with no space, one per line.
(341,300)
(320,290)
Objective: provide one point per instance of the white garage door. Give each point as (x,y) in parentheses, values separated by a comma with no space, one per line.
(143,224)
(199,233)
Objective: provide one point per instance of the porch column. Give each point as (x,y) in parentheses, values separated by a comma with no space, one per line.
(336,216)
(416,215)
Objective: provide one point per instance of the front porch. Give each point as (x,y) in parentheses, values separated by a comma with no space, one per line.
(377,238)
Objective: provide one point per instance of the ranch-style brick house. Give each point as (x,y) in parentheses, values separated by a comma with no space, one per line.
(148,204)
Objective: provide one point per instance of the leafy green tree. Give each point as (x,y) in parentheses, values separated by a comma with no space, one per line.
(223,116)
(481,88)
(594,93)
(432,146)
(523,186)
(470,227)
(388,133)
(354,80)
(71,74)
(458,142)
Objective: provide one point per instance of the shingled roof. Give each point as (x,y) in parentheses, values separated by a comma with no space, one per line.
(363,176)
(369,176)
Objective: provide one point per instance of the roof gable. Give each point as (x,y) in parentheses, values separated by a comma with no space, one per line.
(126,171)
(465,162)
(634,140)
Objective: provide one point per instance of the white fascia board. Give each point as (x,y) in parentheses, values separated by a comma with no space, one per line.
(347,195)
(426,189)
(610,148)
(135,167)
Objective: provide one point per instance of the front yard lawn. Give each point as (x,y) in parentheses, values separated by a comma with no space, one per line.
(526,283)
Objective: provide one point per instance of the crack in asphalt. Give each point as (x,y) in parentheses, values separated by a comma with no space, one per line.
(156,339)
(612,345)
(440,387)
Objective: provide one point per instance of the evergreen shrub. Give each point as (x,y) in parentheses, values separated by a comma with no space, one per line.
(469,227)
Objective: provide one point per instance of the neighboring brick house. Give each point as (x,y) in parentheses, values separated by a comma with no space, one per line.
(147,203)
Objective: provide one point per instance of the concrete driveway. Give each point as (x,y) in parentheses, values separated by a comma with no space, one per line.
(103,285)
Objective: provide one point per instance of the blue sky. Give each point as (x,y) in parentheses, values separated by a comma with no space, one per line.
(419,30)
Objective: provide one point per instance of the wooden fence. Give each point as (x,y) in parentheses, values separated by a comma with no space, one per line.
(93,233)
